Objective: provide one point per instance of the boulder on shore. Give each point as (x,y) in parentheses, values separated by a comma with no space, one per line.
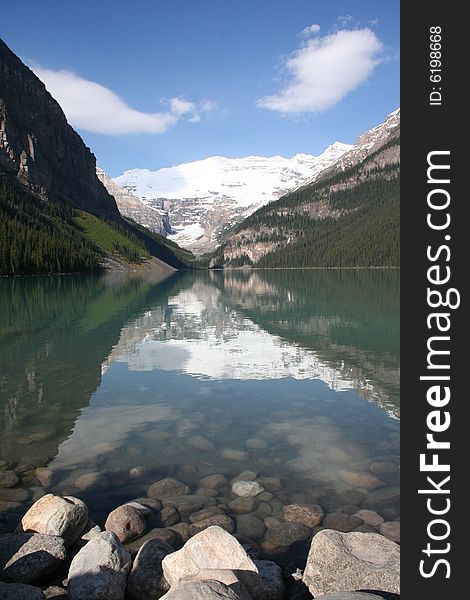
(53,515)
(100,569)
(340,562)
(212,548)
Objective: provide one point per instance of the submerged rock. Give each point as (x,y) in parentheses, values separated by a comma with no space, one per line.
(214,482)
(166,488)
(361,479)
(352,561)
(271,574)
(247,488)
(233,454)
(286,534)
(310,515)
(370,517)
(341,522)
(243,505)
(250,526)
(199,442)
(95,481)
(8,479)
(220,520)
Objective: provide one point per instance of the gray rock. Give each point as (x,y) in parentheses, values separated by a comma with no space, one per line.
(340,562)
(8,479)
(271,574)
(146,580)
(250,526)
(126,522)
(20,591)
(99,570)
(202,590)
(52,515)
(227,577)
(243,505)
(27,557)
(247,488)
(166,488)
(310,515)
(154,505)
(391,530)
(341,522)
(212,548)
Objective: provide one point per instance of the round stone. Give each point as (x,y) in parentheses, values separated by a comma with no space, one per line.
(247,488)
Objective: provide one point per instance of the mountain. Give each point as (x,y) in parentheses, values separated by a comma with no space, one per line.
(55,214)
(130,205)
(348,216)
(206,198)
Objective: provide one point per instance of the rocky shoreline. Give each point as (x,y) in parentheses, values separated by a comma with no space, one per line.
(214,543)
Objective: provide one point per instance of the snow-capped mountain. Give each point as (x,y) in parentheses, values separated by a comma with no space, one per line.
(366,143)
(206,197)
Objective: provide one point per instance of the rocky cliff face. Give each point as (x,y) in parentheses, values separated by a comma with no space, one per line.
(39,148)
(129,205)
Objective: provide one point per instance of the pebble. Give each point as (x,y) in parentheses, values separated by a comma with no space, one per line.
(247,488)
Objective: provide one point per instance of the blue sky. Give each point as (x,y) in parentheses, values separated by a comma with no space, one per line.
(149,84)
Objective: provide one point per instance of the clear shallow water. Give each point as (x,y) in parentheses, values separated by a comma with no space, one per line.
(102,374)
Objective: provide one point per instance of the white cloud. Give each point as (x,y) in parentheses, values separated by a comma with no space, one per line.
(324,70)
(93,107)
(313,29)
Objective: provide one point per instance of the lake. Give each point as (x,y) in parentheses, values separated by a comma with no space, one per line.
(116,381)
